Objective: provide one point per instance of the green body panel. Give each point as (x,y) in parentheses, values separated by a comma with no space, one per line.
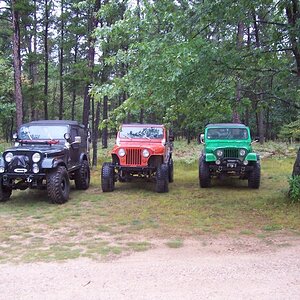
(209,157)
(212,144)
(228,152)
(252,157)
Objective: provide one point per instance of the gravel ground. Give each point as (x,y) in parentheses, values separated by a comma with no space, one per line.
(217,268)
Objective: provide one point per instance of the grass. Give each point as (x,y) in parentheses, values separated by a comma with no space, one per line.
(103,225)
(176,243)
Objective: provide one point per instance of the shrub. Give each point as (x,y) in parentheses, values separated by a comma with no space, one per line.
(294,192)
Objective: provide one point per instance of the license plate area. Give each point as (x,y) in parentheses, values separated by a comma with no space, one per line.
(231,165)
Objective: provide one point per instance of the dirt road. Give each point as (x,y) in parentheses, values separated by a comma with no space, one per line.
(219,268)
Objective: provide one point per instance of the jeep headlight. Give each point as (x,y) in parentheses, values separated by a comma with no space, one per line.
(8,157)
(121,152)
(36,157)
(2,169)
(219,153)
(242,152)
(146,153)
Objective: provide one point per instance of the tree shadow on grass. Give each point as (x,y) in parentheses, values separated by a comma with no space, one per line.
(138,185)
(32,197)
(229,183)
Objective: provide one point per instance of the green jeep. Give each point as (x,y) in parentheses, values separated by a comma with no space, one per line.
(228,152)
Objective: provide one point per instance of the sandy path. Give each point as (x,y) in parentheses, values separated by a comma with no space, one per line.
(213,271)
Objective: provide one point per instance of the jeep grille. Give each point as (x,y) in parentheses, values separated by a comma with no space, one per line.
(133,156)
(231,153)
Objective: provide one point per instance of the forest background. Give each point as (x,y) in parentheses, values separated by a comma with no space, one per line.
(183,63)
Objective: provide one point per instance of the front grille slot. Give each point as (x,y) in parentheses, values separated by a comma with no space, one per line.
(133,156)
(231,153)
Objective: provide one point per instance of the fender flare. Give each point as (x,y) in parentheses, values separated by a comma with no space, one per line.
(50,163)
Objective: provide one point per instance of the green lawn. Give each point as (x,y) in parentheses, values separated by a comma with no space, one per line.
(95,224)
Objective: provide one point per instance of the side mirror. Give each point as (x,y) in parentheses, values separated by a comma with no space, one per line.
(201,138)
(15,136)
(77,140)
(67,137)
(256,140)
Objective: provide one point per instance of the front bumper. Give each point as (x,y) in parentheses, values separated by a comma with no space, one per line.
(22,181)
(230,167)
(135,169)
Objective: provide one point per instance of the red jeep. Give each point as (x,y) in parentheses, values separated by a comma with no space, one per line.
(141,151)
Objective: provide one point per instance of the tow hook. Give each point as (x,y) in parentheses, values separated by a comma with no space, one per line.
(29,179)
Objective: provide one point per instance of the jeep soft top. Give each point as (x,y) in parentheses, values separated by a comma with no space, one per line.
(47,154)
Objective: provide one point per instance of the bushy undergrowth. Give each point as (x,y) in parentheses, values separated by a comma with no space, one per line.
(277,148)
(294,192)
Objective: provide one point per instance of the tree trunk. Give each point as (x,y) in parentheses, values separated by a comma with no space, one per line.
(96,134)
(17,65)
(46,60)
(105,115)
(93,23)
(142,116)
(296,167)
(61,64)
(293,16)
(261,129)
(236,116)
(74,87)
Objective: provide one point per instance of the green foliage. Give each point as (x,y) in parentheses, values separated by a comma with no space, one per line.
(172,62)
(290,131)
(176,243)
(182,63)
(294,192)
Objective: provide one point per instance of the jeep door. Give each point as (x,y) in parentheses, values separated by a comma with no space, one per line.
(74,149)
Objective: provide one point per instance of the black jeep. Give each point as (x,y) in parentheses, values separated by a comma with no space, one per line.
(47,154)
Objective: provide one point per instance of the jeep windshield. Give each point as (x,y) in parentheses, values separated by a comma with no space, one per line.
(131,132)
(227,134)
(42,133)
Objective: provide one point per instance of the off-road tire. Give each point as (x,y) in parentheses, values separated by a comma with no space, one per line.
(58,185)
(254,177)
(82,176)
(162,178)
(5,193)
(204,174)
(171,170)
(107,178)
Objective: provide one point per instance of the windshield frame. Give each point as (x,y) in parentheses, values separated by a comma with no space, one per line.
(42,133)
(227,134)
(141,132)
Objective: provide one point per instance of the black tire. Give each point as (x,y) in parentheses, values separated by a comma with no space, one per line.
(162,178)
(254,177)
(5,193)
(58,185)
(171,170)
(204,174)
(82,176)
(107,178)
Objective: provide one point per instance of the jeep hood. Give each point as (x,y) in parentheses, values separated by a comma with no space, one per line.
(37,147)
